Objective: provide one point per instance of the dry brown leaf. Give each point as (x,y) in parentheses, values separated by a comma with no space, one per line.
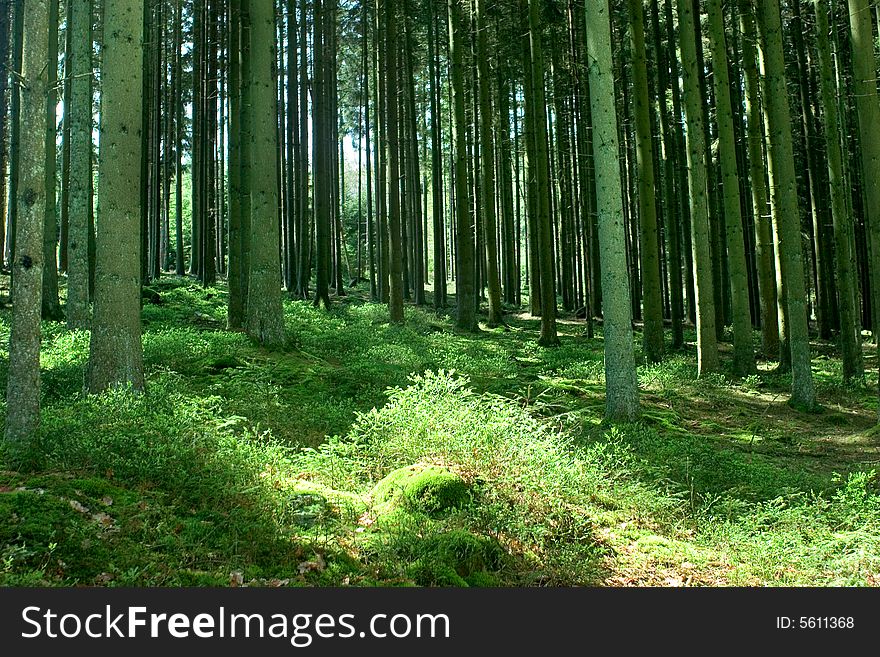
(103,518)
(236,579)
(318,565)
(76,506)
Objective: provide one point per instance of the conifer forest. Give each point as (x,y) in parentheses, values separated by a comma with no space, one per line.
(440,293)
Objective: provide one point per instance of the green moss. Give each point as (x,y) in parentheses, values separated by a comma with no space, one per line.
(308,498)
(426,488)
(455,558)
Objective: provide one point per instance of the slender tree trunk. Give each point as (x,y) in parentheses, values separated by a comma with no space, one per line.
(436,170)
(707,345)
(621,385)
(79,198)
(785,183)
(264,319)
(868,111)
(5,52)
(652,300)
(487,162)
(743,350)
(51,307)
(15,131)
(235,313)
(850,329)
(395,250)
(763,224)
(548,337)
(466,318)
(116,355)
(23,382)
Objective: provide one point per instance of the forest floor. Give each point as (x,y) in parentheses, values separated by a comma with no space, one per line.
(370,454)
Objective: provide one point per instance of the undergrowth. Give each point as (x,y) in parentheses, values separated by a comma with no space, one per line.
(371,454)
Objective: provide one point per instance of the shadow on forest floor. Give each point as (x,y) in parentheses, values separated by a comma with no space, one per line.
(722,482)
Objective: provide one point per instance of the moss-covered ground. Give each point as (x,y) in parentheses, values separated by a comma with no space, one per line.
(370,454)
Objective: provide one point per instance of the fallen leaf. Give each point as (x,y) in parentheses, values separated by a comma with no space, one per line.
(318,565)
(103,518)
(276,583)
(107,501)
(76,506)
(236,579)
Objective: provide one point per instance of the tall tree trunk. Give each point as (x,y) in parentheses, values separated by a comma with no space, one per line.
(465,295)
(707,345)
(548,337)
(395,250)
(5,52)
(51,307)
(743,351)
(671,199)
(868,110)
(487,162)
(621,385)
(763,224)
(436,169)
(785,184)
(652,300)
(235,312)
(850,329)
(15,131)
(116,354)
(79,198)
(264,319)
(23,382)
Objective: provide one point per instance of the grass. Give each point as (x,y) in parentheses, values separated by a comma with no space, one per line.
(370,454)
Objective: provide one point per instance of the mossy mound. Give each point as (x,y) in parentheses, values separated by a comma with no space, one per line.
(456,558)
(424,488)
(310,503)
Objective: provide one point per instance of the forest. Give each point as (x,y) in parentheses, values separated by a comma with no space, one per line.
(440,293)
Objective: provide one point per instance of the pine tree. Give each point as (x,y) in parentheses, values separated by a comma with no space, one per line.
(743,351)
(116,354)
(850,330)
(707,345)
(23,383)
(785,184)
(80,194)
(265,319)
(621,385)
(649,252)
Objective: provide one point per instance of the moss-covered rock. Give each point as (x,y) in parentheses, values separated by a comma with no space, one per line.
(310,503)
(425,488)
(456,558)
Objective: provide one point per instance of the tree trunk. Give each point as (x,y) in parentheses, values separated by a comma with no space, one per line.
(51,307)
(621,384)
(23,383)
(79,198)
(652,300)
(785,183)
(763,224)
(850,329)
(487,162)
(743,351)
(265,318)
(466,317)
(707,345)
(868,111)
(548,337)
(116,355)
